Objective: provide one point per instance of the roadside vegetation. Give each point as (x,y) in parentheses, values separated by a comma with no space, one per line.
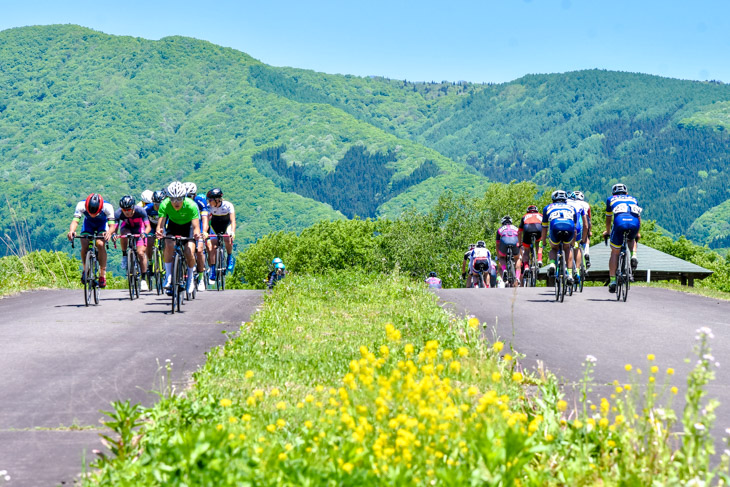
(354,378)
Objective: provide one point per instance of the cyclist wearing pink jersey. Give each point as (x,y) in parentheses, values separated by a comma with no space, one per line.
(508,238)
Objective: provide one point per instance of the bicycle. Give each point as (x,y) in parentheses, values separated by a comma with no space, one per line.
(178,280)
(221,264)
(511,277)
(561,277)
(530,277)
(580,276)
(624,273)
(90,277)
(157,266)
(134,275)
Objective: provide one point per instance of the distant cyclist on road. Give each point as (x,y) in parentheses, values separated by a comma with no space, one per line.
(580,199)
(530,226)
(623,214)
(132,218)
(182,218)
(98,218)
(559,220)
(480,260)
(433,281)
(508,238)
(222,219)
(277,273)
(580,236)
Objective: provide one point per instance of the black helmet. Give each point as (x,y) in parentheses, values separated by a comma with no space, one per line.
(532,209)
(619,188)
(432,274)
(214,194)
(158,196)
(127,202)
(507,220)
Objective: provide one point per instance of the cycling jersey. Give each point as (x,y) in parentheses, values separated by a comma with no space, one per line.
(560,218)
(186,214)
(433,282)
(202,208)
(580,211)
(94,224)
(531,224)
(507,236)
(134,223)
(220,216)
(480,259)
(626,218)
(152,213)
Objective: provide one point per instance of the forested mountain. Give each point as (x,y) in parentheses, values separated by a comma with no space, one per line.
(83,111)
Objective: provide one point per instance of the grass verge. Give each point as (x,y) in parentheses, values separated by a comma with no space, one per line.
(349,379)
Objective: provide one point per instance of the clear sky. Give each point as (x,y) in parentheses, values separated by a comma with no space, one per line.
(426,40)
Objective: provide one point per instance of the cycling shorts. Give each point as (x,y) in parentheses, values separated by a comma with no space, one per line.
(527,238)
(93,226)
(480,264)
(178,230)
(220,225)
(561,231)
(506,243)
(624,222)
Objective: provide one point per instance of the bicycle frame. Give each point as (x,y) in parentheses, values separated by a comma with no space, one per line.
(178,278)
(90,271)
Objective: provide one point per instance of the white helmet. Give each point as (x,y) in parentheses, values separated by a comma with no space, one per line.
(146,196)
(176,190)
(191,188)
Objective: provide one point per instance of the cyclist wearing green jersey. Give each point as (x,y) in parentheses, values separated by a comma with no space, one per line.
(183,220)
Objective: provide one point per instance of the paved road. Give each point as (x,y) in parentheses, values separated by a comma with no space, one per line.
(561,335)
(61,363)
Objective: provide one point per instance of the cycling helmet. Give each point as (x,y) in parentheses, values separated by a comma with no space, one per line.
(214,194)
(127,202)
(280,265)
(481,243)
(176,190)
(471,246)
(191,188)
(507,220)
(559,195)
(579,195)
(571,195)
(277,261)
(158,196)
(146,196)
(532,209)
(432,274)
(619,188)
(94,204)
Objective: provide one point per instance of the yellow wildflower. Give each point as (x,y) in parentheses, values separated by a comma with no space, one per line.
(455,366)
(507,357)
(463,351)
(628,367)
(562,405)
(226,402)
(517,377)
(274,392)
(347,467)
(282,456)
(670,371)
(249,374)
(473,323)
(650,357)
(497,346)
(496,376)
(674,390)
(280,423)
(271,428)
(281,405)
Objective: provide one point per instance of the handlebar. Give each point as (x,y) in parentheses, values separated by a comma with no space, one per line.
(95,236)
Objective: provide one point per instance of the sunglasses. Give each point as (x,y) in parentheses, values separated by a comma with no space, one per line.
(176,200)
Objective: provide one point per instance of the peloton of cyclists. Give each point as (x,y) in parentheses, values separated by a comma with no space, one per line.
(559,222)
(508,238)
(623,214)
(133,219)
(222,220)
(98,218)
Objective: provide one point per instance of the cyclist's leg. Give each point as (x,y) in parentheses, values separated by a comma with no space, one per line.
(101,255)
(142,254)
(84,250)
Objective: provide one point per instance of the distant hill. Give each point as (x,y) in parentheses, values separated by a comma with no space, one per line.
(82,111)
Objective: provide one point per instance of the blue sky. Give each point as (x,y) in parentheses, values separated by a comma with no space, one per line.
(426,40)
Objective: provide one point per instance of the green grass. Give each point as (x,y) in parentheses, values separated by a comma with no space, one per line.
(352,379)
(699,291)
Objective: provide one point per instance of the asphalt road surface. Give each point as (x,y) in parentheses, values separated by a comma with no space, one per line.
(561,335)
(61,363)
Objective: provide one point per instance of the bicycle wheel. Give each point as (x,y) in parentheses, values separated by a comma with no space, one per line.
(562,276)
(627,276)
(619,275)
(130,272)
(156,274)
(174,284)
(181,281)
(556,277)
(220,278)
(95,278)
(582,275)
(88,280)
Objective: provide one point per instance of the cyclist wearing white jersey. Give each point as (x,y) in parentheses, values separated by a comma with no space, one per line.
(222,220)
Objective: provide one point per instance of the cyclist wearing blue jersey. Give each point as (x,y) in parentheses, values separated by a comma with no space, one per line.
(580,236)
(559,222)
(192,190)
(623,214)
(98,217)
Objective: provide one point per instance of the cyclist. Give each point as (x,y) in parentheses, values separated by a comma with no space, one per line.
(192,191)
(433,281)
(277,273)
(179,216)
(508,238)
(559,220)
(580,198)
(624,215)
(98,218)
(222,219)
(133,219)
(465,264)
(530,225)
(480,260)
(152,210)
(579,239)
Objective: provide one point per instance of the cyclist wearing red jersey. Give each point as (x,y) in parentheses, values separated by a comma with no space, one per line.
(98,218)
(530,226)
